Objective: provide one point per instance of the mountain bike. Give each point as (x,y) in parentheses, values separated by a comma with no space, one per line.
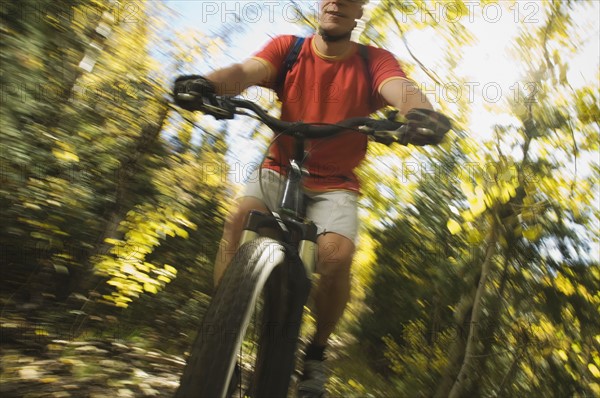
(267,276)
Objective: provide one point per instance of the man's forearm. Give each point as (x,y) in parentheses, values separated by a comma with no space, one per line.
(234,79)
(404,95)
(229,80)
(412,97)
(413,100)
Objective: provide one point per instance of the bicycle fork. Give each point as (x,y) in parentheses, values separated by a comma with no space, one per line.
(305,233)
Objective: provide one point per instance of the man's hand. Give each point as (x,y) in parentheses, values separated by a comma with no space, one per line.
(191,92)
(424,127)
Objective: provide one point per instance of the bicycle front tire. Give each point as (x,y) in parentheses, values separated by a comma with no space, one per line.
(213,357)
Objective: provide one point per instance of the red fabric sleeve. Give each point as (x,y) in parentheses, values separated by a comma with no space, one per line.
(383,66)
(275,52)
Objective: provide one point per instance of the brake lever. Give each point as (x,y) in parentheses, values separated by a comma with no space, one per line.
(387,137)
(385,131)
(219,112)
(219,107)
(398,136)
(185,96)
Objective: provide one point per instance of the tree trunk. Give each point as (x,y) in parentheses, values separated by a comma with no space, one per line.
(462,380)
(490,329)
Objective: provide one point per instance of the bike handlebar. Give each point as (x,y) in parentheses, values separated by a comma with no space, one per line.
(386,131)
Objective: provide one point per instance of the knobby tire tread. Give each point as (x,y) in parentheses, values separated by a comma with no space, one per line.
(216,345)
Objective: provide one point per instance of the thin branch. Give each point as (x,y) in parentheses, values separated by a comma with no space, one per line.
(304,18)
(511,371)
(429,73)
(575,154)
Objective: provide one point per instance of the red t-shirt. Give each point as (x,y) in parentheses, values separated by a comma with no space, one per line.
(321,89)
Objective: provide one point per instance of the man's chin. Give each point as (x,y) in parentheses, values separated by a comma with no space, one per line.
(334,34)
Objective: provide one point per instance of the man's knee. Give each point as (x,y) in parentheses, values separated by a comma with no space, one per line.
(335,256)
(234,223)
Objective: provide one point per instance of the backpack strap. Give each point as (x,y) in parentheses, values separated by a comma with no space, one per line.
(363,52)
(292,57)
(289,62)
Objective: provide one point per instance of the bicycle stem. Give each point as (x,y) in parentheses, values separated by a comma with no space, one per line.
(292,201)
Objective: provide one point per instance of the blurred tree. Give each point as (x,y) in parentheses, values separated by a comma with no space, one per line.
(478,272)
(43,44)
(85,154)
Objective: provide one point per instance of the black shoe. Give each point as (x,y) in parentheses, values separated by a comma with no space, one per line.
(313,380)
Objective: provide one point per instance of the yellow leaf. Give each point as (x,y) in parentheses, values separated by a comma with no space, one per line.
(117,282)
(477,206)
(150,288)
(507,192)
(474,236)
(564,285)
(533,233)
(467,216)
(453,227)
(594,370)
(488,199)
(467,189)
(562,354)
(170,269)
(65,155)
(111,241)
(142,267)
(128,269)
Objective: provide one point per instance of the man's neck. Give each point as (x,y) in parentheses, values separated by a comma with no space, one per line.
(332,48)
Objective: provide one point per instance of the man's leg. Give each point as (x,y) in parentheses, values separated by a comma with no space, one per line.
(332,294)
(232,232)
(333,290)
(337,216)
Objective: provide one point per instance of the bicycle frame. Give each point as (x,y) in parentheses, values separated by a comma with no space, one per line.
(289,218)
(298,236)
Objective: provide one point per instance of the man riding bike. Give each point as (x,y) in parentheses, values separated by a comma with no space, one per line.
(328,82)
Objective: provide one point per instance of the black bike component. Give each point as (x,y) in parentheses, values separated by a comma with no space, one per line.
(286,293)
(214,352)
(286,286)
(191,92)
(308,130)
(425,127)
(292,202)
(297,230)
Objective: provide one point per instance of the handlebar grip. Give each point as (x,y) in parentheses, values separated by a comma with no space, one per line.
(185,97)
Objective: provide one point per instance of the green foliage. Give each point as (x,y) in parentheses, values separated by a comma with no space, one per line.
(126,266)
(96,200)
(483,242)
(420,361)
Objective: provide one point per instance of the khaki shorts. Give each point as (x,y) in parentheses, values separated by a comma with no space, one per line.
(332,211)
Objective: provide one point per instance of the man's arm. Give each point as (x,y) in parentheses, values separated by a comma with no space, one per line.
(403,95)
(236,78)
